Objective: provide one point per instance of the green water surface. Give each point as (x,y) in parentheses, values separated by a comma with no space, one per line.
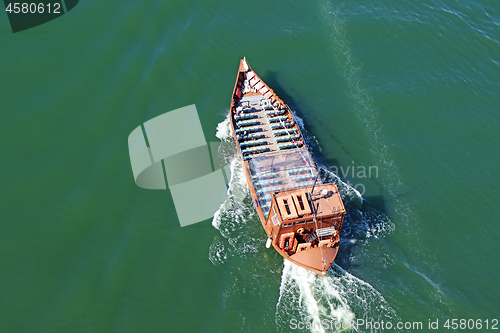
(409,87)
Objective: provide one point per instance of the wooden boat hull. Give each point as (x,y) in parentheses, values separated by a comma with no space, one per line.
(272,150)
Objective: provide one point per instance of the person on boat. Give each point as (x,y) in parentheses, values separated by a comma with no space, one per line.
(335,238)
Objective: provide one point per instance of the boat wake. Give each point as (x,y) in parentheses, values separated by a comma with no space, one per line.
(330,303)
(364,109)
(367,113)
(339,297)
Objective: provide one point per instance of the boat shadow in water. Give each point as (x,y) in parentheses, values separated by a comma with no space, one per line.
(366,217)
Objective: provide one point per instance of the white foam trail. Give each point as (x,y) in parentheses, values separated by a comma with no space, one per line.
(224,130)
(238,188)
(232,221)
(237,192)
(236,211)
(217,252)
(333,301)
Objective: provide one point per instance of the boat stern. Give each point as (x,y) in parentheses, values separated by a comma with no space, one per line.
(316,259)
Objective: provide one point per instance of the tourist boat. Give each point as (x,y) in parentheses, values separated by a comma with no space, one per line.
(301,214)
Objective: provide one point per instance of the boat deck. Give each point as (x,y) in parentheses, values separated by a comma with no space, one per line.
(252,102)
(262,134)
(262,128)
